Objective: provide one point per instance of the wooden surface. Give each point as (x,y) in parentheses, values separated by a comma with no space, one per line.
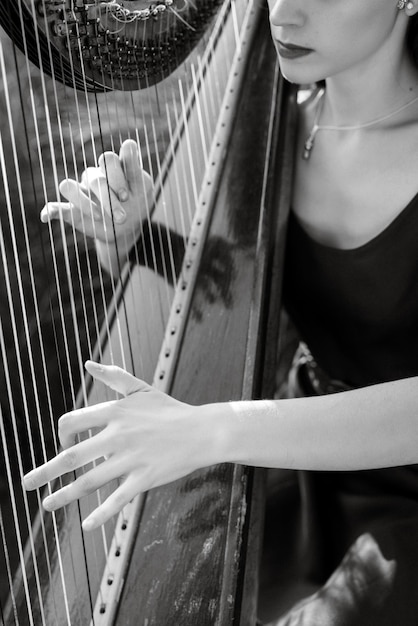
(200,535)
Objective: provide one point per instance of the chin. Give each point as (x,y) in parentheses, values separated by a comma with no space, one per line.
(299,73)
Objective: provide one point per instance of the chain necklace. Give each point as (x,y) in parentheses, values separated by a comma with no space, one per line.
(309,143)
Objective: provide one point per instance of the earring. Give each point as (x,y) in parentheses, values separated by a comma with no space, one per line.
(401,4)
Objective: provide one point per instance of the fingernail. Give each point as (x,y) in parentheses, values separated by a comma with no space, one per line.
(123,195)
(48,503)
(48,214)
(119,215)
(97,366)
(28,480)
(89,524)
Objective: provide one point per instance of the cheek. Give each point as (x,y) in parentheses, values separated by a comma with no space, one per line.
(354,36)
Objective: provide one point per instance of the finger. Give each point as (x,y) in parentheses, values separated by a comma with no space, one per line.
(138,180)
(94,212)
(111,166)
(81,197)
(82,420)
(113,504)
(66,461)
(89,175)
(130,159)
(95,181)
(53,210)
(116,378)
(73,216)
(85,484)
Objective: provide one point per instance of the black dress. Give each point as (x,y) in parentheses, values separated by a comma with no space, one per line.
(357,310)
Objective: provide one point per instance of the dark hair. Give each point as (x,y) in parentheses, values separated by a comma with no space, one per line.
(412,38)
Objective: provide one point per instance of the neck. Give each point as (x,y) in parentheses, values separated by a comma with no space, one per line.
(363,93)
(361,99)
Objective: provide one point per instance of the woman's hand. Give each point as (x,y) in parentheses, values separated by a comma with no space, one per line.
(147,439)
(109,203)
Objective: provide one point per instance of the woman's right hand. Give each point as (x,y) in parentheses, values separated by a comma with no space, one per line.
(111,200)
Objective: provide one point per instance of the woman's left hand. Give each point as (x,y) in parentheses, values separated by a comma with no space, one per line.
(147,439)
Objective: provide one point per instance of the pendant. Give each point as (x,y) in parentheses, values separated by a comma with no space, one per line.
(307,148)
(309,143)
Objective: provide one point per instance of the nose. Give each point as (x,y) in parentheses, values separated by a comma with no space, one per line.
(286,12)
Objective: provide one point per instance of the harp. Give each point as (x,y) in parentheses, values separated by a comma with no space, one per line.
(198,300)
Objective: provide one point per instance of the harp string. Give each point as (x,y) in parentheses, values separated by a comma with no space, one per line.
(167,103)
(27,413)
(123,357)
(73,306)
(104,544)
(35,299)
(171,259)
(43,359)
(53,164)
(84,160)
(8,564)
(18,276)
(23,306)
(96,164)
(71,278)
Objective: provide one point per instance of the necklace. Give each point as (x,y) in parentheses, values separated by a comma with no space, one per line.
(309,143)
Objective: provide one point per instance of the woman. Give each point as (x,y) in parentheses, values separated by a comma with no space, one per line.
(352,239)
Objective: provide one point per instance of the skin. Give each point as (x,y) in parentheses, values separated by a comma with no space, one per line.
(109,203)
(148,438)
(348,39)
(368,74)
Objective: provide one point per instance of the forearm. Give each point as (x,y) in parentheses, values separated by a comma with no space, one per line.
(367,428)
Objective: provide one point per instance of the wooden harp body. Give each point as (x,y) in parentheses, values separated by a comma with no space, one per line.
(195,312)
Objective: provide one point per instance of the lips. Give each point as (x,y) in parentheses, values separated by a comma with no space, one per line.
(291,51)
